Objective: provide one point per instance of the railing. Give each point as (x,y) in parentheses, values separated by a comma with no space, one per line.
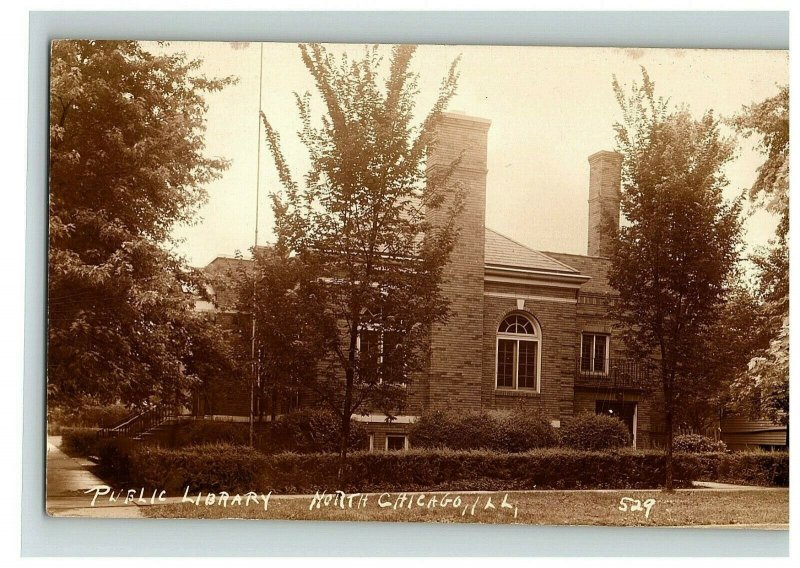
(616,373)
(136,424)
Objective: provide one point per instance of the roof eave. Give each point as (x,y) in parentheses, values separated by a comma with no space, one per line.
(534,276)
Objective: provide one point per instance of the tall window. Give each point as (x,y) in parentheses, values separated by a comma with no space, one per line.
(518,353)
(594,353)
(380,355)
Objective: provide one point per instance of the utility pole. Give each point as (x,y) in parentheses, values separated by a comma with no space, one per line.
(254,377)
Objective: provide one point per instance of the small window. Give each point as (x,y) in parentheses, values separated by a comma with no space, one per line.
(594,353)
(396,442)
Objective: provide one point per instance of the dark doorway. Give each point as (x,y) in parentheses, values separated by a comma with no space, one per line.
(625,411)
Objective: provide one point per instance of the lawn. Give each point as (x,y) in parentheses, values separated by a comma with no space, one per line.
(613,508)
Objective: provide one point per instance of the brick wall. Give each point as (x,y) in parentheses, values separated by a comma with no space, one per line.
(555,314)
(604,197)
(456,366)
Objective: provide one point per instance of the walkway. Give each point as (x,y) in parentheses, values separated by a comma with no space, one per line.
(67,481)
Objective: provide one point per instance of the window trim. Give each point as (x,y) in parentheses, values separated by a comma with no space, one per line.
(393,435)
(606,356)
(535,337)
(381,332)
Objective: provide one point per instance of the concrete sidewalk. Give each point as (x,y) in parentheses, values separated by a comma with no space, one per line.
(731,487)
(67,481)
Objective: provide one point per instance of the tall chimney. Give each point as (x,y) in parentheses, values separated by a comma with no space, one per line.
(605,171)
(456,366)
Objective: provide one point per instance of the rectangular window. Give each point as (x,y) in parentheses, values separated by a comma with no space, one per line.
(505,363)
(380,356)
(369,350)
(526,365)
(392,360)
(517,363)
(395,442)
(594,353)
(599,364)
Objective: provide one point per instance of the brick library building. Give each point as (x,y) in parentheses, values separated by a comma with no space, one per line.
(528,329)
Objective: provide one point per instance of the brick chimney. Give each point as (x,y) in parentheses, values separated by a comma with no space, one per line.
(605,170)
(456,366)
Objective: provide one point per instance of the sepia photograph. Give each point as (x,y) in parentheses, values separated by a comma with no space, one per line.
(418,283)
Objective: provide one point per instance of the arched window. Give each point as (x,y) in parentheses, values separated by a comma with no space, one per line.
(518,353)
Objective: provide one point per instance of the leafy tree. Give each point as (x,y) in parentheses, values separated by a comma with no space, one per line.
(763,391)
(290,326)
(671,262)
(732,340)
(361,224)
(126,164)
(213,360)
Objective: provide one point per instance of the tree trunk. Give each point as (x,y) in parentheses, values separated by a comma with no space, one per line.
(347,407)
(669,416)
(346,413)
(273,414)
(668,482)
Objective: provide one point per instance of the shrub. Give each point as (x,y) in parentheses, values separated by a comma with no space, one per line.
(695,443)
(588,431)
(230,468)
(312,431)
(519,431)
(200,432)
(457,431)
(115,458)
(551,468)
(211,467)
(79,442)
(306,431)
(103,416)
(85,416)
(524,430)
(754,468)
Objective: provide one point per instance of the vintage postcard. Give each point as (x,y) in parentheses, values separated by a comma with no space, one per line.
(476,284)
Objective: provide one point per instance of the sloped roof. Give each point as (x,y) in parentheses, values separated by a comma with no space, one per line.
(506,252)
(220,273)
(594,266)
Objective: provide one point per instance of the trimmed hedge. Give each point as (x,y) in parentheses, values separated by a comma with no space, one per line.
(695,443)
(519,431)
(212,467)
(79,442)
(239,469)
(769,469)
(522,431)
(592,432)
(200,432)
(305,431)
(313,431)
(456,431)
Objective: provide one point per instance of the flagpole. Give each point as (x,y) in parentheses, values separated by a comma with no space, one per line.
(254,377)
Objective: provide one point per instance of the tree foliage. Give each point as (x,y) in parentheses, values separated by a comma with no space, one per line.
(360,224)
(291,327)
(672,260)
(736,336)
(763,391)
(127,162)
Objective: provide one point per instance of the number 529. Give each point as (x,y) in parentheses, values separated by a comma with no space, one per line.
(634,505)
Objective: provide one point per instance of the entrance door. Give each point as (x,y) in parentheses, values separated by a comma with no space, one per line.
(625,411)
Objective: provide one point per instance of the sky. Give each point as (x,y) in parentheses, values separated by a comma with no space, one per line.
(550,109)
